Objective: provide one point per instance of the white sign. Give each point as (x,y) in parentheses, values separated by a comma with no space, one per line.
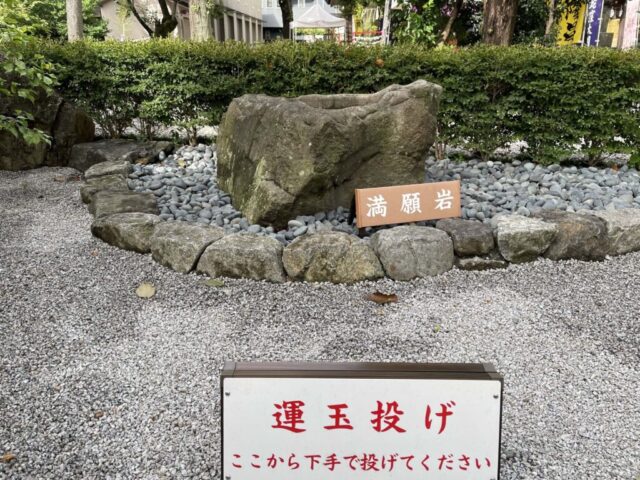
(346,428)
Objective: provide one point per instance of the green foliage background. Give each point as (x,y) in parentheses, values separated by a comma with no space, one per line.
(23,78)
(48,18)
(552,98)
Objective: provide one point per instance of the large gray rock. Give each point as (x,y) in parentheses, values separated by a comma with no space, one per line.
(179,245)
(85,155)
(410,252)
(72,126)
(522,239)
(118,166)
(283,157)
(580,237)
(331,257)
(62,121)
(108,182)
(470,238)
(623,230)
(107,202)
(244,256)
(129,231)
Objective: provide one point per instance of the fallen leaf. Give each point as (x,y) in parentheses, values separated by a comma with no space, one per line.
(214,282)
(98,414)
(60,178)
(437,329)
(383,298)
(146,290)
(94,253)
(380,311)
(143,161)
(182,163)
(8,457)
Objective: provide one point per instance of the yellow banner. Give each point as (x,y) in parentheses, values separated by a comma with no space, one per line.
(571,25)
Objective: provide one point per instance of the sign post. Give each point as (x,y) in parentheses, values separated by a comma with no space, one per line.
(407,203)
(358,421)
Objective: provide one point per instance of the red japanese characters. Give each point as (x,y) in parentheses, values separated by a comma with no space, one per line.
(385,417)
(365,462)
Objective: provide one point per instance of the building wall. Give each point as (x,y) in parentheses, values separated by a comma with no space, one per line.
(252,8)
(241,21)
(121,28)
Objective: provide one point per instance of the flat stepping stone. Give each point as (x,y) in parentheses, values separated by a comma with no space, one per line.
(409,252)
(470,238)
(331,257)
(579,237)
(107,203)
(85,155)
(522,239)
(489,262)
(179,245)
(111,167)
(244,256)
(129,231)
(108,182)
(623,230)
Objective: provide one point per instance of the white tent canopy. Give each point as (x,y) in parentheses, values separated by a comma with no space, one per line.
(317,17)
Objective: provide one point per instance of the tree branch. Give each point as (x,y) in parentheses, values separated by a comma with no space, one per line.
(164,9)
(136,14)
(454,14)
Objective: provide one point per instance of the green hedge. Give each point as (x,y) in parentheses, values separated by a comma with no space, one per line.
(552,98)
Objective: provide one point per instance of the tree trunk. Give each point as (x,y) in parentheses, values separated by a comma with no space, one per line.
(499,21)
(348,31)
(449,26)
(386,22)
(199,20)
(74,20)
(551,18)
(287,17)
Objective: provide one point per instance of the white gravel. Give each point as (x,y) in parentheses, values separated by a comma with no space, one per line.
(96,383)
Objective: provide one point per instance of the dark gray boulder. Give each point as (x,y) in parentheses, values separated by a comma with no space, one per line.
(179,245)
(580,237)
(470,238)
(65,124)
(129,231)
(244,256)
(522,239)
(283,157)
(623,230)
(331,257)
(107,182)
(409,252)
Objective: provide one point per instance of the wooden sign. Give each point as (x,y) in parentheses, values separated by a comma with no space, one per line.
(354,421)
(407,203)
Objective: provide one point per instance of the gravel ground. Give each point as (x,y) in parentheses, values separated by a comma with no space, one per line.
(96,383)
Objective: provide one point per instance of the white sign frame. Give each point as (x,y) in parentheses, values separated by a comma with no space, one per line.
(253,394)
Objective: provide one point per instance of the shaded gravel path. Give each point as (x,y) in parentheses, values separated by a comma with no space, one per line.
(96,383)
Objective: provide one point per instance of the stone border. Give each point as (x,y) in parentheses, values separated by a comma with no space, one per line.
(130,220)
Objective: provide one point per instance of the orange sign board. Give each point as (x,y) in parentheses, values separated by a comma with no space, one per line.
(407,203)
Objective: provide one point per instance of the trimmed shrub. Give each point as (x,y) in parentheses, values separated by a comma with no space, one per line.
(551,98)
